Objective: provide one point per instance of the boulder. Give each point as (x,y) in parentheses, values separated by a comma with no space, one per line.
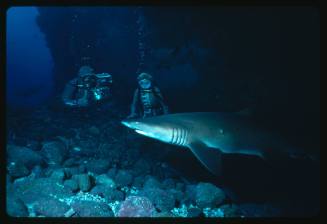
(161,199)
(98,166)
(110,194)
(138,181)
(17,170)
(54,151)
(136,206)
(151,182)
(112,173)
(58,175)
(72,185)
(123,178)
(141,167)
(85,208)
(168,183)
(40,189)
(15,206)
(23,155)
(84,181)
(208,195)
(51,207)
(194,212)
(103,179)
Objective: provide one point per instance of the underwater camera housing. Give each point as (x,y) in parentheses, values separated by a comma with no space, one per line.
(102,88)
(98,84)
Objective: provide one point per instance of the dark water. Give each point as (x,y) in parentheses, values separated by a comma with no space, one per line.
(218,59)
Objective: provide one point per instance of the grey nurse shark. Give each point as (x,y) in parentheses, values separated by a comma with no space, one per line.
(209,135)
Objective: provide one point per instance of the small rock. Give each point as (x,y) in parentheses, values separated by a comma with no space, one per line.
(84,181)
(190,191)
(105,180)
(70,213)
(151,182)
(94,130)
(72,185)
(58,175)
(70,162)
(17,170)
(55,152)
(110,194)
(9,179)
(98,166)
(39,189)
(136,206)
(34,145)
(123,178)
(178,195)
(161,199)
(72,171)
(138,181)
(194,212)
(114,195)
(112,173)
(38,171)
(168,183)
(51,207)
(16,207)
(92,209)
(141,167)
(23,155)
(82,169)
(208,195)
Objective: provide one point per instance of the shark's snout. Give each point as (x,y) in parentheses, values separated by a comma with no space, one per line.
(126,123)
(130,123)
(148,129)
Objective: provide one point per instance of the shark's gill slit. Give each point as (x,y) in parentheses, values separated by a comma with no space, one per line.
(178,136)
(185,136)
(182,136)
(173,136)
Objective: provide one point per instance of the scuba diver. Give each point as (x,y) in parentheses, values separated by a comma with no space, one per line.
(147,100)
(87,89)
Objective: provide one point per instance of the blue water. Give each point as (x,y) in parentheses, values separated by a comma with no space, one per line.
(29,62)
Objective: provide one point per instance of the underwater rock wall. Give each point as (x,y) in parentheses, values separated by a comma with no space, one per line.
(100,37)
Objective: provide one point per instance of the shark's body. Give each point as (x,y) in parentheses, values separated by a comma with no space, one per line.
(208,135)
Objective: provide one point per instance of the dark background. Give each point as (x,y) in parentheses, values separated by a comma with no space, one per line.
(202,58)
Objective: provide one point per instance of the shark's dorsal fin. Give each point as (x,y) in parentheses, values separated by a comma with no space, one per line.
(209,157)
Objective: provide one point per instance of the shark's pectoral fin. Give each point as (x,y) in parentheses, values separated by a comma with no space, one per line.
(210,158)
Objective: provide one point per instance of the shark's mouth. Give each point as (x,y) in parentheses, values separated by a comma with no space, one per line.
(140,132)
(146,133)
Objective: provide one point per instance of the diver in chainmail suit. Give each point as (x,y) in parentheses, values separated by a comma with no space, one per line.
(147,100)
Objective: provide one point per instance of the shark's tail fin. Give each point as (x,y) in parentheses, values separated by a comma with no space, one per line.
(209,157)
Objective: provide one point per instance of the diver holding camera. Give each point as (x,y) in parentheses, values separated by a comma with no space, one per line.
(87,89)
